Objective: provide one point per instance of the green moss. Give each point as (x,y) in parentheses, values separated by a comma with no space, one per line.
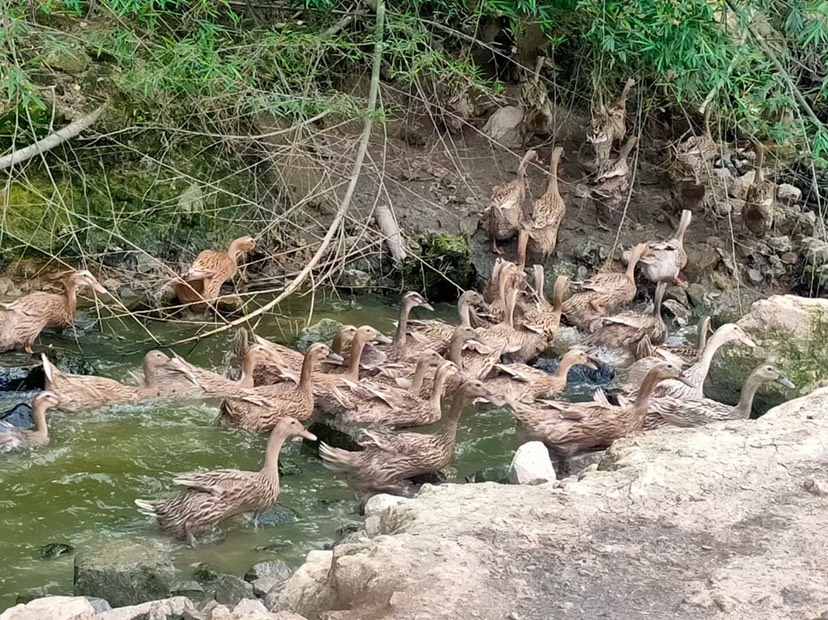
(442,266)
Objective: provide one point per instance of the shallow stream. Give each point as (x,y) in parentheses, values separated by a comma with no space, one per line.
(80,488)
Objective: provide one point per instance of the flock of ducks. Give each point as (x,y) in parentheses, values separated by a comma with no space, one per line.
(371,386)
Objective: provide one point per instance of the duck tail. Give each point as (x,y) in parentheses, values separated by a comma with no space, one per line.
(49,369)
(146,508)
(335,459)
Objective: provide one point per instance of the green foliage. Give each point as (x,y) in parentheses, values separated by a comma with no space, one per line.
(443,266)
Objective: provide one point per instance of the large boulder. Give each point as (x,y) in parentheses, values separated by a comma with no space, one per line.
(51,608)
(308,590)
(792,333)
(174,607)
(125,573)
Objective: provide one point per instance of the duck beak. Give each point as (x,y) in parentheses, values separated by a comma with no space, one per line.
(334,358)
(782,380)
(308,435)
(427,306)
(99,288)
(748,342)
(591,364)
(382,339)
(686,382)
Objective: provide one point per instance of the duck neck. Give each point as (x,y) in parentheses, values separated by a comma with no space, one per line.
(558,299)
(449,430)
(274,447)
(358,345)
(464,311)
(745,406)
(684,222)
(41,431)
(149,374)
(234,251)
(699,370)
(305,384)
(456,351)
(336,345)
(402,327)
(437,389)
(634,256)
(552,187)
(249,365)
(419,377)
(72,300)
(563,368)
(647,387)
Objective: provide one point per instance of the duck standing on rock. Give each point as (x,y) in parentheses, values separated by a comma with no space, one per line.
(13,438)
(215,496)
(665,259)
(506,205)
(201,283)
(22,320)
(548,213)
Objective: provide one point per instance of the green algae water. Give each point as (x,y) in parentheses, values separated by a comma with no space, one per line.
(80,488)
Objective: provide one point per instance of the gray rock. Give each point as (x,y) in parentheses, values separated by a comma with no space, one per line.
(51,608)
(702,260)
(204,573)
(378,504)
(249,608)
(580,463)
(277,515)
(71,60)
(124,573)
(231,589)
(272,568)
(506,127)
(531,465)
(356,279)
(219,612)
(172,608)
(788,194)
(308,589)
(780,244)
(98,604)
(698,294)
(193,614)
(20,372)
(55,550)
(193,590)
(815,251)
(590,253)
(321,331)
(263,585)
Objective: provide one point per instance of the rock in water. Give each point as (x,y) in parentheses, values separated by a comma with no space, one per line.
(791,333)
(322,331)
(51,608)
(579,375)
(531,465)
(20,372)
(124,573)
(55,550)
(20,416)
(230,590)
(273,568)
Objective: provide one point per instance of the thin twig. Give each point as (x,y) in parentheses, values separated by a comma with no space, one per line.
(342,211)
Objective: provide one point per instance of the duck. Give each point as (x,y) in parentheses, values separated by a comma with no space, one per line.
(22,320)
(543,319)
(78,392)
(683,355)
(757,212)
(389,460)
(397,350)
(697,373)
(405,375)
(541,232)
(569,429)
(610,125)
(201,283)
(259,409)
(206,383)
(506,205)
(522,383)
(395,414)
(672,411)
(491,289)
(215,496)
(665,259)
(610,191)
(437,334)
(268,372)
(637,333)
(603,293)
(13,438)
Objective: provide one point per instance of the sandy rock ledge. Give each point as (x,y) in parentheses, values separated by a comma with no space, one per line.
(725,521)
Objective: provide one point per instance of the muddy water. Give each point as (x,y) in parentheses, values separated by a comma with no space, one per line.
(80,489)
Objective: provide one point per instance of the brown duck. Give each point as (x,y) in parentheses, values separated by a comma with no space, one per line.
(547,215)
(757,213)
(215,496)
(260,409)
(568,429)
(202,281)
(522,383)
(665,259)
(609,125)
(13,438)
(388,460)
(397,350)
(79,392)
(506,206)
(437,334)
(603,293)
(206,383)
(22,320)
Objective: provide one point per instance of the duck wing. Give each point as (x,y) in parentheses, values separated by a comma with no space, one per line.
(214,482)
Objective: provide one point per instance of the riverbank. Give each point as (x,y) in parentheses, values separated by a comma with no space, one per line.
(723,521)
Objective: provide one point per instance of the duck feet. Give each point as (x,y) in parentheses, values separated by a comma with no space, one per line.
(679,282)
(28,349)
(191,539)
(496,249)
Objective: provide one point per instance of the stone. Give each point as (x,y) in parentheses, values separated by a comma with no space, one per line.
(702,260)
(531,465)
(792,333)
(698,294)
(276,569)
(171,608)
(124,573)
(505,127)
(250,608)
(277,515)
(30,594)
(264,585)
(231,589)
(193,590)
(490,474)
(308,589)
(52,551)
(814,251)
(71,60)
(98,604)
(788,194)
(219,612)
(191,199)
(193,614)
(146,264)
(816,487)
(321,331)
(382,502)
(51,608)
(590,253)
(20,372)
(355,280)
(780,244)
